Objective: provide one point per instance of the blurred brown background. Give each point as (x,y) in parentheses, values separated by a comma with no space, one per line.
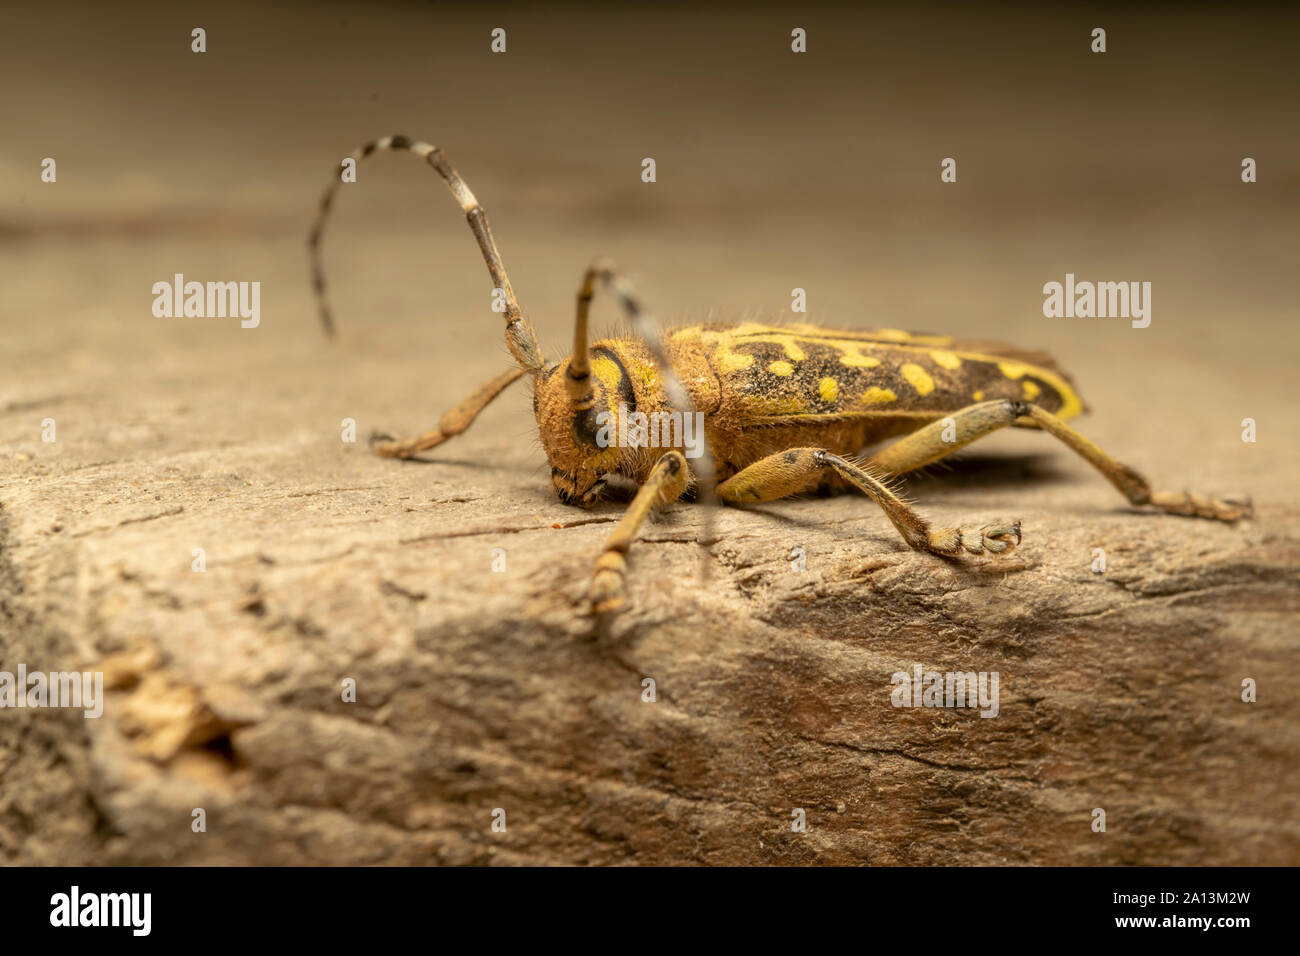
(775,170)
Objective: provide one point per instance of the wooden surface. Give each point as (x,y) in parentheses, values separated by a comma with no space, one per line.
(479,690)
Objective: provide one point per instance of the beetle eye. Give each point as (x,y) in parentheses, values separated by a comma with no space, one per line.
(586,426)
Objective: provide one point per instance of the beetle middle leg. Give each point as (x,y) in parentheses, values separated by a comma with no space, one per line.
(927,445)
(668,479)
(790,472)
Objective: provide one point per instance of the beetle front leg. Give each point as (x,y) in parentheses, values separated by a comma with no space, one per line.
(668,479)
(451,424)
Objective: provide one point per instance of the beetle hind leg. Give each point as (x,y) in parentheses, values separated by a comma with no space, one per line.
(1222,508)
(940,439)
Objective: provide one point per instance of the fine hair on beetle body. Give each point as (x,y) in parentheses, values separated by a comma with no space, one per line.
(783,409)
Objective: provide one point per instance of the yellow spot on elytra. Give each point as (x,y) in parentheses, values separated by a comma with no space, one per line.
(780,368)
(1012,369)
(945,359)
(856,359)
(978,395)
(878,396)
(1031,389)
(753,332)
(829,389)
(918,378)
(734,361)
(895,335)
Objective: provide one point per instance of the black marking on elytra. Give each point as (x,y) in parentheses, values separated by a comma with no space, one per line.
(400,142)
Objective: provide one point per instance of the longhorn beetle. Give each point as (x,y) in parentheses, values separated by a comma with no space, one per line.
(787,409)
